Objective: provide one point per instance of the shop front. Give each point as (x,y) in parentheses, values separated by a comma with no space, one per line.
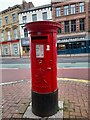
(10,48)
(25,46)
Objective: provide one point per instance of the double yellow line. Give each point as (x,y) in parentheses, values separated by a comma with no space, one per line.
(75,80)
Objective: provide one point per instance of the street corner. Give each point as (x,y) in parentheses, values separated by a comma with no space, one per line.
(74,94)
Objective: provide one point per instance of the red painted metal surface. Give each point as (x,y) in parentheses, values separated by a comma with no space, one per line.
(43,55)
(13,41)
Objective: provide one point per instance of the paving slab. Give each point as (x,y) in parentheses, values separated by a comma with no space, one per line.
(59,114)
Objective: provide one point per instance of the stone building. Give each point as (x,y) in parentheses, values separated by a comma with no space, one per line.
(10,42)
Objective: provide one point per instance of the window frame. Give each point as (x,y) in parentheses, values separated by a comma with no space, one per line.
(0,22)
(6,19)
(14,17)
(25,32)
(34,17)
(44,15)
(66,10)
(66,27)
(58,11)
(72,9)
(15,33)
(81,7)
(82,24)
(73,26)
(24,19)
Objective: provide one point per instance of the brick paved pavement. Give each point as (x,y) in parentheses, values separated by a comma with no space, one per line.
(16,98)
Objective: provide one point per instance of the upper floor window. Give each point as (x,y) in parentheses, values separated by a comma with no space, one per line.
(6,19)
(15,33)
(8,35)
(66,26)
(66,10)
(81,7)
(59,30)
(44,15)
(58,11)
(0,22)
(82,24)
(34,17)
(25,33)
(2,35)
(73,25)
(13,17)
(24,19)
(72,9)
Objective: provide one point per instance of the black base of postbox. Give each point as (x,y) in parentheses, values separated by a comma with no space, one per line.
(45,105)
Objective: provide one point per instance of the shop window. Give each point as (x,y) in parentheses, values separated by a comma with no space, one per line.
(15,47)
(61,46)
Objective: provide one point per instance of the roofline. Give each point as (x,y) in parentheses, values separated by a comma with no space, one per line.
(9,8)
(35,8)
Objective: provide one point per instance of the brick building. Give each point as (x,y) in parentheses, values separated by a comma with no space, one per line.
(74,16)
(10,43)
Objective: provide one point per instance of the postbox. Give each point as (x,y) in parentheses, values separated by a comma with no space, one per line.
(44,67)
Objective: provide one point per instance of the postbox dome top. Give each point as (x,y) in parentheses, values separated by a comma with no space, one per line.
(42,26)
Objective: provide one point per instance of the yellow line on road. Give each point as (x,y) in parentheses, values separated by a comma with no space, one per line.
(75,80)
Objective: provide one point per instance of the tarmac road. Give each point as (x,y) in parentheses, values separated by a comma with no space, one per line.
(12,74)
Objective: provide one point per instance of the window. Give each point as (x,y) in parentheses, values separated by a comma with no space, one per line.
(73,25)
(15,47)
(59,30)
(6,19)
(34,17)
(61,46)
(58,11)
(72,9)
(24,19)
(44,16)
(82,24)
(2,35)
(13,17)
(25,33)
(81,7)
(8,35)
(6,52)
(0,22)
(15,34)
(66,10)
(66,26)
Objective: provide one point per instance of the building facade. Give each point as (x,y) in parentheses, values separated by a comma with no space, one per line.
(10,43)
(74,16)
(34,14)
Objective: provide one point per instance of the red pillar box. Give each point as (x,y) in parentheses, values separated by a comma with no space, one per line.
(44,67)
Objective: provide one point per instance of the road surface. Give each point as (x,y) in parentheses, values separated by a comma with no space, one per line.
(19,69)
